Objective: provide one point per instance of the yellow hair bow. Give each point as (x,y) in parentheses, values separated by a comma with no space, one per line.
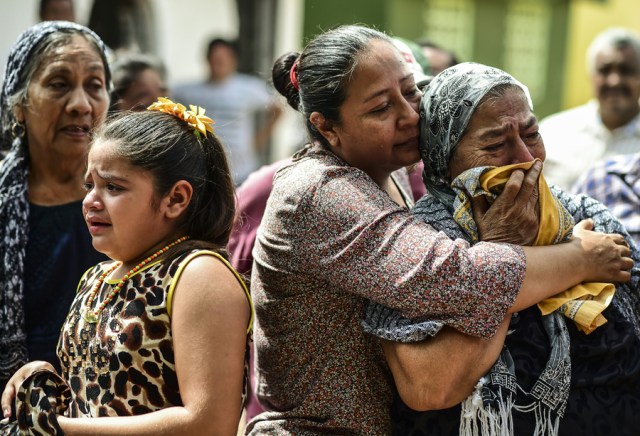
(194,117)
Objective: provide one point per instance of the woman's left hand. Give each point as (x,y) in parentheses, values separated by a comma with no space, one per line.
(514,215)
(16,380)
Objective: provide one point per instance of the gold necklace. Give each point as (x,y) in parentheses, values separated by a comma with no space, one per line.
(92,316)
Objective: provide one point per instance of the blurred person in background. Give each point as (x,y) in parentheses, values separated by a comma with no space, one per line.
(438,58)
(615,182)
(138,80)
(55,10)
(606,126)
(235,101)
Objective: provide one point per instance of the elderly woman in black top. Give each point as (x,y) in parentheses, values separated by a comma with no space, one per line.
(55,91)
(551,377)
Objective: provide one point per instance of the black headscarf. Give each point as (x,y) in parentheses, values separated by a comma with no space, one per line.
(14,204)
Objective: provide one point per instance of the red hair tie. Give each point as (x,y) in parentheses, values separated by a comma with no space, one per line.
(293,76)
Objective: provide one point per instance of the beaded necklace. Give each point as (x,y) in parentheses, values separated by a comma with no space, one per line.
(92,316)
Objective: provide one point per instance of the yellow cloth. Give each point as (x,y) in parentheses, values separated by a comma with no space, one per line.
(583,303)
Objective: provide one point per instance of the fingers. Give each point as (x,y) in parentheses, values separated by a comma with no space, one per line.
(7,398)
(623,275)
(512,187)
(530,184)
(479,206)
(622,247)
(619,240)
(627,263)
(626,252)
(624,262)
(584,225)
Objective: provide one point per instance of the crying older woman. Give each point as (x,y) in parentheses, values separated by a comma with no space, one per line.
(571,364)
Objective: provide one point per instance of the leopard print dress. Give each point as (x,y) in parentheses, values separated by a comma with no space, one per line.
(124,364)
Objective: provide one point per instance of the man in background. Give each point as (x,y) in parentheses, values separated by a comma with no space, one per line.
(438,58)
(242,106)
(604,127)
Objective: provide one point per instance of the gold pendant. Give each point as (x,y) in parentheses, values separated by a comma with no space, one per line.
(89,316)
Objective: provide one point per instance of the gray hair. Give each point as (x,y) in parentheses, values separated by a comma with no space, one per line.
(126,69)
(31,49)
(617,37)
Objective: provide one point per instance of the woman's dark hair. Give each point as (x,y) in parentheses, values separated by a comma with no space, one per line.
(169,149)
(324,69)
(125,71)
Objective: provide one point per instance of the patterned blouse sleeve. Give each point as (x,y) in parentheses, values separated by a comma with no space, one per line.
(397,260)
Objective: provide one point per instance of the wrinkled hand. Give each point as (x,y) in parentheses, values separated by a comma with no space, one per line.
(16,380)
(607,256)
(514,215)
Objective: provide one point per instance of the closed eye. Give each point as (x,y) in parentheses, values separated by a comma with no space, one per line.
(57,85)
(494,147)
(534,135)
(413,93)
(382,109)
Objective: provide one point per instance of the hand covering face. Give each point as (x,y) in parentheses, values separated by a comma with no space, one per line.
(582,303)
(445,111)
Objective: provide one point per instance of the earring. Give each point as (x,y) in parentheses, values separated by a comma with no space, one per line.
(18,130)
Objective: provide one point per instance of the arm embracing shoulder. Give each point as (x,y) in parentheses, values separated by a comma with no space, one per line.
(380,251)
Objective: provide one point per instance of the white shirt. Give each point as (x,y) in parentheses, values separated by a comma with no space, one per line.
(233,104)
(576,139)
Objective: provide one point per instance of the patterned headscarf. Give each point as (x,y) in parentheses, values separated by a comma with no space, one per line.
(445,111)
(14,203)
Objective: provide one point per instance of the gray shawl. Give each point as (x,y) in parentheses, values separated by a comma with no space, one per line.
(14,204)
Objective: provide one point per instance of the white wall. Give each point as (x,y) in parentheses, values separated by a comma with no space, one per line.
(183,29)
(16,16)
(290,132)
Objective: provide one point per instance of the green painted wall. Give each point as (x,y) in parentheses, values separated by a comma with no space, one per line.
(402,18)
(557,62)
(320,15)
(484,32)
(405,18)
(489,25)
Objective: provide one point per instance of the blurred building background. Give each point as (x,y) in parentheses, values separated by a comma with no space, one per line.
(541,42)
